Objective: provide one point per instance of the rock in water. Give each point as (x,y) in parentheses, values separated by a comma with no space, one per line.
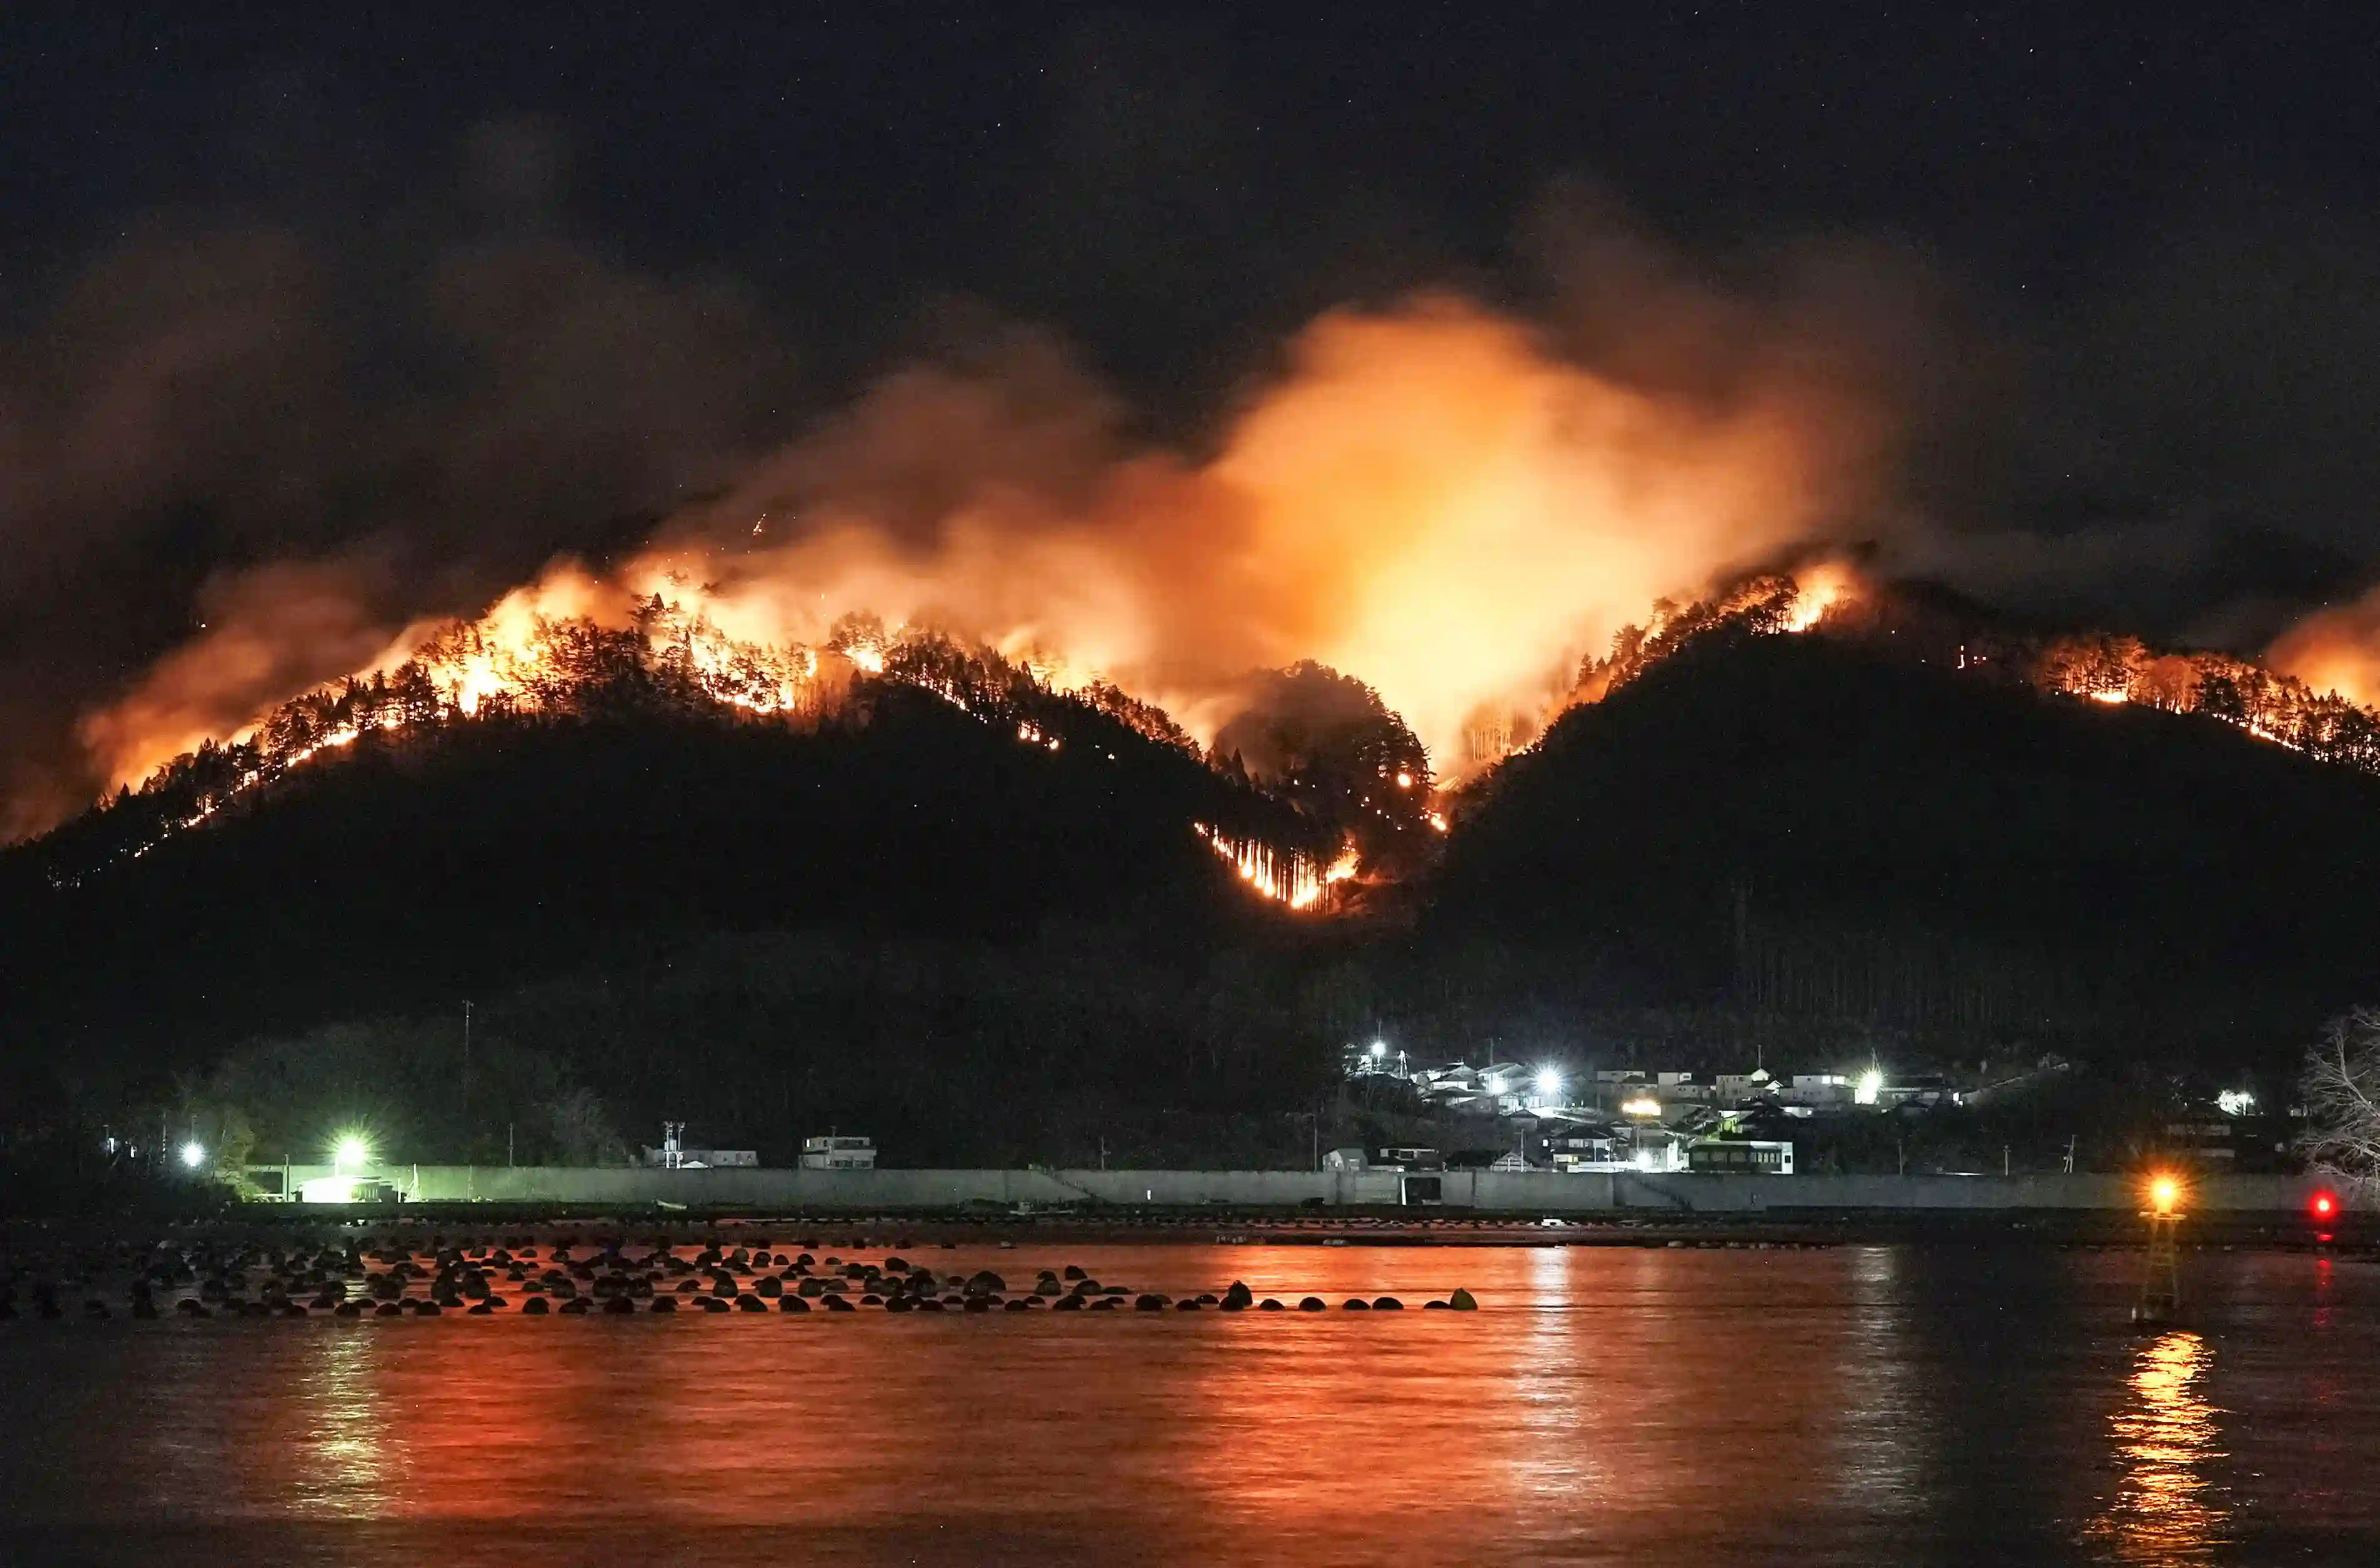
(1463,1301)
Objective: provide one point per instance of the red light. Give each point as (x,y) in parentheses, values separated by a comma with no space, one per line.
(2325,1205)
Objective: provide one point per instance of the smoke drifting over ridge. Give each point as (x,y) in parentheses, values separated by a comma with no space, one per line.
(231,470)
(1425,496)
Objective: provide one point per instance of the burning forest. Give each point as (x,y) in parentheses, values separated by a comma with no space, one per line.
(1339,791)
(1431,530)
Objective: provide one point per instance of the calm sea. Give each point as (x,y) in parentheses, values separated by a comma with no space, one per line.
(1861,1404)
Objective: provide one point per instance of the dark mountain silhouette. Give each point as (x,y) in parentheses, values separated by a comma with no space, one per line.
(410,869)
(911,915)
(1821,826)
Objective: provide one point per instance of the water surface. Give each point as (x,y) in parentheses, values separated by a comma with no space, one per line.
(1860,1405)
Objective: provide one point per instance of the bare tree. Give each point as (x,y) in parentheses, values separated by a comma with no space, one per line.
(2342,1098)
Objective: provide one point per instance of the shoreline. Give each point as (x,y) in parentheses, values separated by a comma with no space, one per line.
(2352,1235)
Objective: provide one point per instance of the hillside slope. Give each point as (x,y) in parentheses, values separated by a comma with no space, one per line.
(411,871)
(1806,824)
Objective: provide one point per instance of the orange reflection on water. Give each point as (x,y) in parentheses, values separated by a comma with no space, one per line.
(2165,1508)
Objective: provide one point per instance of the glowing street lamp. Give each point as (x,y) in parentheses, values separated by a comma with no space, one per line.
(1549,1082)
(351,1149)
(1870,1086)
(2164,1194)
(194,1154)
(1379,1049)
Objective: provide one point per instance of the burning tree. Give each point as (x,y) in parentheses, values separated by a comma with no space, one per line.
(2342,1098)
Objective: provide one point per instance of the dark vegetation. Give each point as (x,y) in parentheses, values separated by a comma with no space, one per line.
(901,920)
(1793,829)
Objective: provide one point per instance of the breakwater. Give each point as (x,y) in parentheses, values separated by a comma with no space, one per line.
(1487,1192)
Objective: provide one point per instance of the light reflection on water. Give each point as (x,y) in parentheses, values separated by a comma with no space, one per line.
(1856,1405)
(340,1458)
(2167,1508)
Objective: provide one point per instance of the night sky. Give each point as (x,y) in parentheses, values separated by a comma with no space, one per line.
(448,290)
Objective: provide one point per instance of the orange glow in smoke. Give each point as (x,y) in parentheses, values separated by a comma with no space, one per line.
(1428,498)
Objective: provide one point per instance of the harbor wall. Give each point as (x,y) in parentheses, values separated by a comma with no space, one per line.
(1514,1192)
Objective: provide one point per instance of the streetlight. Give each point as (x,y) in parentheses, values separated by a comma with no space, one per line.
(1549,1082)
(351,1149)
(1870,1086)
(194,1154)
(1379,1049)
(2164,1193)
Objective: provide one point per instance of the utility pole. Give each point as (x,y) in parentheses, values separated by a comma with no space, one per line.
(466,1069)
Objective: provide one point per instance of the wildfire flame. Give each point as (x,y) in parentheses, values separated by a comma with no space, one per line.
(1285,876)
(1429,498)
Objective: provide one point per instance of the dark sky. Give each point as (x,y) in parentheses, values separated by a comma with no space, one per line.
(1226,162)
(266,272)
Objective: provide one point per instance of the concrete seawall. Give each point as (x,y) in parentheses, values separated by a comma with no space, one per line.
(1516,1192)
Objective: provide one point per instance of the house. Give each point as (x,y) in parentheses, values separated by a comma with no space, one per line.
(838,1153)
(699,1159)
(1757,1157)
(1926,1090)
(1736,1088)
(1586,1148)
(1683,1088)
(1818,1089)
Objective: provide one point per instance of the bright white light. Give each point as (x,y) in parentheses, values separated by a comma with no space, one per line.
(2235,1101)
(1643,1105)
(352,1150)
(1379,1048)
(194,1154)
(1871,1084)
(1550,1081)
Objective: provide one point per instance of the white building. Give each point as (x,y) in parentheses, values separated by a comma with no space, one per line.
(838,1153)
